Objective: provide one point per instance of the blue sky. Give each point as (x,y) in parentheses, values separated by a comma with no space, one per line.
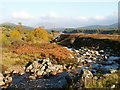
(59,14)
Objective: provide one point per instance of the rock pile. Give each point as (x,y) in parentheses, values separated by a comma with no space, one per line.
(1,79)
(5,80)
(43,67)
(6,77)
(97,60)
(37,69)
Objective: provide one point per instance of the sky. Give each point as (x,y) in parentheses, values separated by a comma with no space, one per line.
(56,14)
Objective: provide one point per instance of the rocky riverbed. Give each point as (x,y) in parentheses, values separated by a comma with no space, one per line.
(41,73)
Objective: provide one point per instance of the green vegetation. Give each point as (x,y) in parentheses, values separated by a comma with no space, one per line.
(105,81)
(5,40)
(93,30)
(14,36)
(18,34)
(40,33)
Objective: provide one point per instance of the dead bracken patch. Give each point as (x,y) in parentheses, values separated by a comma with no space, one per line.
(47,50)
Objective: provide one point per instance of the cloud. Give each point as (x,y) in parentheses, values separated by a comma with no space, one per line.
(51,16)
(115,14)
(52,20)
(22,15)
(93,18)
(82,18)
(99,17)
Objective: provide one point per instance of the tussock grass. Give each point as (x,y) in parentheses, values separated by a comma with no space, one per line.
(107,81)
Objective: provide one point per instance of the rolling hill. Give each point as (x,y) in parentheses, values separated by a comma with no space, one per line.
(115,25)
(11,25)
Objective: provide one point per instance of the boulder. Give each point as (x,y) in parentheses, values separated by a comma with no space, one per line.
(87,74)
(44,73)
(35,64)
(79,66)
(7,72)
(29,67)
(1,79)
(2,83)
(48,70)
(64,67)
(16,69)
(60,71)
(53,73)
(43,68)
(39,73)
(52,68)
(113,71)
(32,77)
(9,79)
(6,80)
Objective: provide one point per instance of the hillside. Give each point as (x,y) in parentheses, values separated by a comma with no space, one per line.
(12,25)
(115,25)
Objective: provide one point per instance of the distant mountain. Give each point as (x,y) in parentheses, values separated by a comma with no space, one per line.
(115,25)
(7,23)
(28,28)
(12,25)
(57,29)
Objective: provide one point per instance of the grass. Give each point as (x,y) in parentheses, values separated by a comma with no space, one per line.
(104,82)
(100,81)
(20,55)
(97,36)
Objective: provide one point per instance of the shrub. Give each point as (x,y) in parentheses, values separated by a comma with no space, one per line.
(19,27)
(15,35)
(40,33)
(5,40)
(30,37)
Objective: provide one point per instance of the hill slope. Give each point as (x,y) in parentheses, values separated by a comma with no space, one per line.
(115,25)
(11,25)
